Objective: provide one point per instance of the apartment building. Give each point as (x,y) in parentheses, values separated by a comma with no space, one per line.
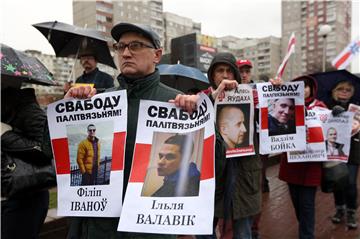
(304,18)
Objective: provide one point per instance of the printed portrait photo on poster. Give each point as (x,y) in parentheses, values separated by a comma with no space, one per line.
(232,120)
(90,149)
(174,165)
(333,146)
(281,117)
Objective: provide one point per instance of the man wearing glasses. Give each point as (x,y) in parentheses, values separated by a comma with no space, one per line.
(138,49)
(88,157)
(92,75)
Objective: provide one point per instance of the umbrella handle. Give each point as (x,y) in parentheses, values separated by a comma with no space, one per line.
(49,33)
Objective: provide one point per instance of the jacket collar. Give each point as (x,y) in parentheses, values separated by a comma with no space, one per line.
(139,85)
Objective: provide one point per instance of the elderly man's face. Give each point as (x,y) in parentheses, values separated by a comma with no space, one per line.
(137,63)
(221,72)
(332,135)
(169,159)
(283,110)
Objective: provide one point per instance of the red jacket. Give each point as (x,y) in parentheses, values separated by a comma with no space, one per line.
(306,174)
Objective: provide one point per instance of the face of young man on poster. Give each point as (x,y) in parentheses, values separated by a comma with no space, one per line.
(283,110)
(169,159)
(91,132)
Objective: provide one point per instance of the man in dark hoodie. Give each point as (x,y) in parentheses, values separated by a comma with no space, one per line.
(242,197)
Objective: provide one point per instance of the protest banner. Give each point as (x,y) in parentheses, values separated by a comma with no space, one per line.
(282,121)
(235,120)
(88,138)
(337,132)
(171,185)
(315,145)
(356,120)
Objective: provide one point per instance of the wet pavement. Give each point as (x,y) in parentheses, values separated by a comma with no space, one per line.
(278,217)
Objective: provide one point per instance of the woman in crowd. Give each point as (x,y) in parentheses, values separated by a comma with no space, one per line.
(303,178)
(23,124)
(342,95)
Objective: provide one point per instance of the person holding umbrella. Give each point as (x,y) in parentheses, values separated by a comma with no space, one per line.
(91,75)
(23,127)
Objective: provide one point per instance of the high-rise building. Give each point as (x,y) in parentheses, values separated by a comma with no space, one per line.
(175,26)
(264,53)
(304,18)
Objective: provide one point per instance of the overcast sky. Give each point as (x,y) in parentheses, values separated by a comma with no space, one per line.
(241,18)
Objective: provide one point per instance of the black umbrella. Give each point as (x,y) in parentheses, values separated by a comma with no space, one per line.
(17,67)
(184,78)
(327,80)
(68,40)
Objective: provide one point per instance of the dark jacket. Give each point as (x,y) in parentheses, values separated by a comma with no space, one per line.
(169,188)
(303,173)
(276,128)
(100,79)
(241,194)
(147,88)
(354,156)
(27,139)
(338,146)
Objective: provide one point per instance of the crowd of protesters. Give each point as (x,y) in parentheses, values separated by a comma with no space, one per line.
(240,181)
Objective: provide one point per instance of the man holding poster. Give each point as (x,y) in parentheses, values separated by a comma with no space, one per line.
(138,50)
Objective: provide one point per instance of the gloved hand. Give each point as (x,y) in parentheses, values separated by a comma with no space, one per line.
(337,109)
(5,128)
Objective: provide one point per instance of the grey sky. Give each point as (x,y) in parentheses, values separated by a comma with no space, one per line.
(241,18)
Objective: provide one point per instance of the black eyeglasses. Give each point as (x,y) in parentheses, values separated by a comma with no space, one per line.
(91,130)
(134,46)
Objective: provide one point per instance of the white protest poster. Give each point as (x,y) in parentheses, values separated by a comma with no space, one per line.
(337,132)
(171,184)
(235,120)
(282,118)
(88,139)
(315,145)
(356,121)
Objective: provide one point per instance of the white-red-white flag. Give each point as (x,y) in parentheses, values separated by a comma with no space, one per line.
(344,58)
(290,50)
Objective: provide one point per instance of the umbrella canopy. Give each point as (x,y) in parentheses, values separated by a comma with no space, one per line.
(68,40)
(18,67)
(183,78)
(327,80)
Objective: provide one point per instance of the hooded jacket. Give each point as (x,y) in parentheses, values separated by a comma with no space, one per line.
(225,58)
(242,195)
(308,173)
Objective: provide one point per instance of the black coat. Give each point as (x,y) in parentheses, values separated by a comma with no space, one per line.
(29,137)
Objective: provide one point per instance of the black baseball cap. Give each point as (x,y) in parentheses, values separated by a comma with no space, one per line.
(145,30)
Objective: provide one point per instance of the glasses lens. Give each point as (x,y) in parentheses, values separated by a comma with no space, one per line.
(92,130)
